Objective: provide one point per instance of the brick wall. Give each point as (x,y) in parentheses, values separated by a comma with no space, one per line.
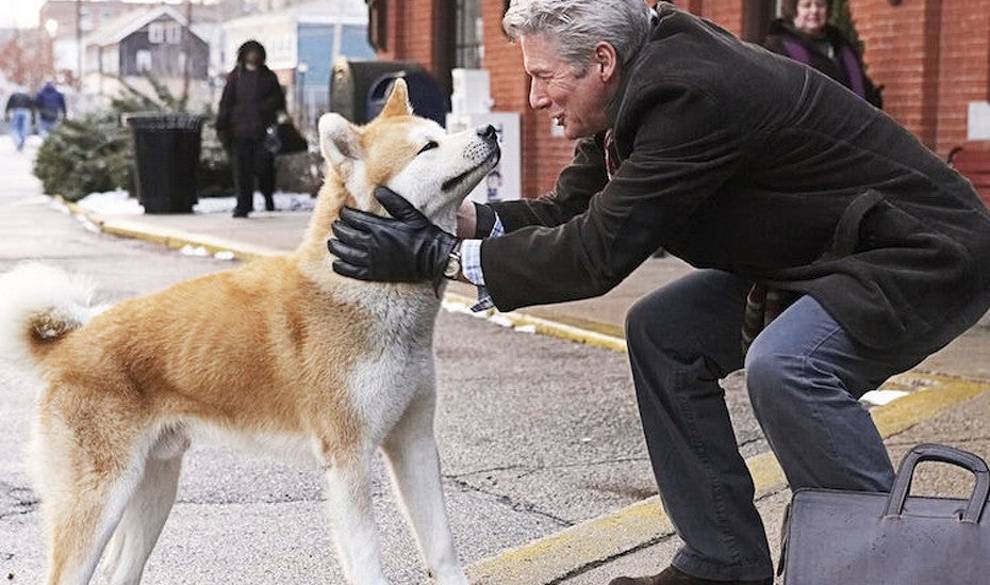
(965,67)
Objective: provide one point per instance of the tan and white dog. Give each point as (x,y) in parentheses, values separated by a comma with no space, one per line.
(281,354)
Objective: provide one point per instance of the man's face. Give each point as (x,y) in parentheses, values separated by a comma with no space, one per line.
(253,58)
(811,16)
(576,103)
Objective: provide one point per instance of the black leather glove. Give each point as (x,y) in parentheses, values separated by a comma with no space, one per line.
(408,248)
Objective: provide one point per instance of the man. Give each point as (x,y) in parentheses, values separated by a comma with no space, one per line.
(778,184)
(20,113)
(249,105)
(50,104)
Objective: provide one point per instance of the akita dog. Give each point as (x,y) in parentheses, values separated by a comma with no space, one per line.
(280,354)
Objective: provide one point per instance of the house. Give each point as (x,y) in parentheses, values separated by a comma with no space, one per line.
(155,42)
(302,42)
(932,56)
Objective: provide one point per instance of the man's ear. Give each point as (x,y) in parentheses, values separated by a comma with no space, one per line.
(606,61)
(339,139)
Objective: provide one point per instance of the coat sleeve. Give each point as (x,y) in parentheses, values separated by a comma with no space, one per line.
(575,186)
(275,100)
(684,150)
(226,102)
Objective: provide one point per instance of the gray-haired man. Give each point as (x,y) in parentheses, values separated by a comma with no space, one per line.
(778,184)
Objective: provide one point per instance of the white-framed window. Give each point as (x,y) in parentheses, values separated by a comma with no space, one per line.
(142,59)
(173,33)
(182,63)
(156,32)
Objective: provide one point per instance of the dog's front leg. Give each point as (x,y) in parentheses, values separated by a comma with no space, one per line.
(415,465)
(353,521)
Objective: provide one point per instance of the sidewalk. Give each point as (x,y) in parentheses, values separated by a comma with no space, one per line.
(948,402)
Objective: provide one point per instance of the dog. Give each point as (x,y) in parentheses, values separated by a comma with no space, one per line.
(281,354)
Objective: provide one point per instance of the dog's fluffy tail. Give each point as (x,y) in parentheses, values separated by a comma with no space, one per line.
(39,305)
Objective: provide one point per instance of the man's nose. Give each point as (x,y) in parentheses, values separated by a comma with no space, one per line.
(488,132)
(537,99)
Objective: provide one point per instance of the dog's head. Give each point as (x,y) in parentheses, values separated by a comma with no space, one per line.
(413,156)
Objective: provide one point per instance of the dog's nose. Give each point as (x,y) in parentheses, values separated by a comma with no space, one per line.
(488,132)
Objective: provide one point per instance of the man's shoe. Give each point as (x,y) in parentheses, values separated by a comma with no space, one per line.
(674,576)
(239,214)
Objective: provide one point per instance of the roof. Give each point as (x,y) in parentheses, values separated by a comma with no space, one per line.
(116,30)
(315,12)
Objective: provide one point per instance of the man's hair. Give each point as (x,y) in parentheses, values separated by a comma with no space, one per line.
(788,8)
(576,26)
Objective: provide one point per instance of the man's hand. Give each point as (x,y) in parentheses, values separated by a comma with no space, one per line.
(408,248)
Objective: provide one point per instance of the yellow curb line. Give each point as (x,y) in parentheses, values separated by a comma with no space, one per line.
(171,238)
(548,327)
(555,558)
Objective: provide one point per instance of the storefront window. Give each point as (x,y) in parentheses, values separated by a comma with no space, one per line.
(470,27)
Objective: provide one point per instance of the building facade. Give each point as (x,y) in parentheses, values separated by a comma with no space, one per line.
(931,56)
(154,43)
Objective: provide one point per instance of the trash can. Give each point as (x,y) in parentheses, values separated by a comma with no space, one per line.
(166,160)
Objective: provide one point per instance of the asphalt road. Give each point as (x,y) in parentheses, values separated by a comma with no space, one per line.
(536,434)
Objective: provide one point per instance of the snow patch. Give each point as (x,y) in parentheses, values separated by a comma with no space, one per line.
(120,202)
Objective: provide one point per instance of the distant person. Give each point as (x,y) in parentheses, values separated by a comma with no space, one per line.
(50,105)
(803,34)
(20,114)
(250,104)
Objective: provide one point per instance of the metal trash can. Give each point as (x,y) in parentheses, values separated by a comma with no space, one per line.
(166,160)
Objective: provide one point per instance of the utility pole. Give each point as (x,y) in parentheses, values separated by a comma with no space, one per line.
(79,45)
(187,49)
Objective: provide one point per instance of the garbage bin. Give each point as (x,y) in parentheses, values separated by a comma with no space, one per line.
(166,160)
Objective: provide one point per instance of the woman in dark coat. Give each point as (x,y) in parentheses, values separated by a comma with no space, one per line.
(250,104)
(803,34)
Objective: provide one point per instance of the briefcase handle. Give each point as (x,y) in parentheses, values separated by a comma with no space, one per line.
(944,454)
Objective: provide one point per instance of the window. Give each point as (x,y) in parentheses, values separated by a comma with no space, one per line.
(142,60)
(182,63)
(377,24)
(156,32)
(470,29)
(173,33)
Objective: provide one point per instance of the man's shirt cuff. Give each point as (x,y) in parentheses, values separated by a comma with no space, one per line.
(471,266)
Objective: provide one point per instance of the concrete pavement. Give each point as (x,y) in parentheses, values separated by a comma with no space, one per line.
(945,405)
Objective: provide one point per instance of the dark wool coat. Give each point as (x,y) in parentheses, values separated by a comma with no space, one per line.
(783,36)
(246,110)
(738,159)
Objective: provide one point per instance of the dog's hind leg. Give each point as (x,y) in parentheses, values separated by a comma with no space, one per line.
(415,465)
(143,520)
(83,493)
(352,519)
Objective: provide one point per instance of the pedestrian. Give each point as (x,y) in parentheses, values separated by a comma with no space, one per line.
(847,249)
(20,114)
(804,34)
(50,106)
(249,106)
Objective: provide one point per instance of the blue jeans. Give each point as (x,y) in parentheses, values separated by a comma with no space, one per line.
(20,126)
(46,126)
(804,376)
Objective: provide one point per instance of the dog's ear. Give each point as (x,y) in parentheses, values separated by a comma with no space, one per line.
(339,140)
(398,100)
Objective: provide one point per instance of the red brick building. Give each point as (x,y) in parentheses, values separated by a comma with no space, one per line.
(932,56)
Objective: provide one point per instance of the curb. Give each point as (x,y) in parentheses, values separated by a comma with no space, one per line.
(171,238)
(554,559)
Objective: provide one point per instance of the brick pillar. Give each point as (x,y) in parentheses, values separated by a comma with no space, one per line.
(964,74)
(727,13)
(902,53)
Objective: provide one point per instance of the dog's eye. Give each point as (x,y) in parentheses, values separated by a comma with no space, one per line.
(429,146)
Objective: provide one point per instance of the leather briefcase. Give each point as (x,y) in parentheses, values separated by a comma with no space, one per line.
(859,538)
